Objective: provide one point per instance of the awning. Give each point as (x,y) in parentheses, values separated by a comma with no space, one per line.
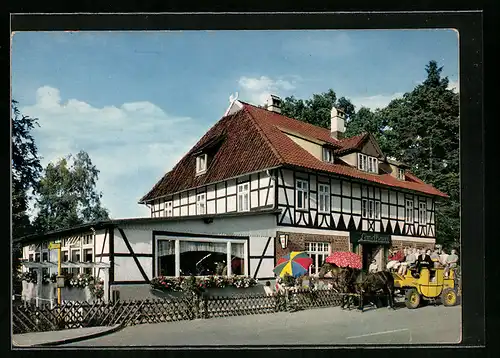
(34,264)
(67,264)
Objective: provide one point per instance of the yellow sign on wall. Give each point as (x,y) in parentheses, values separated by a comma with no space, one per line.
(53,245)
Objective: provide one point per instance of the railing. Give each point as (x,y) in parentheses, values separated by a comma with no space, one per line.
(30,318)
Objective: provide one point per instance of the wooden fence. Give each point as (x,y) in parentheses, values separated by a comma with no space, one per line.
(29,318)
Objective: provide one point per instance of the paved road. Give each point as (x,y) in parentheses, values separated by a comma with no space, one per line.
(429,324)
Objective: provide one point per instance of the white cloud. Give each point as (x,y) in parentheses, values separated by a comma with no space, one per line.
(374,102)
(132,145)
(256,89)
(454,85)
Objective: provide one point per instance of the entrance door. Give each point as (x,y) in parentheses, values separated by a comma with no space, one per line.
(371,252)
(367,255)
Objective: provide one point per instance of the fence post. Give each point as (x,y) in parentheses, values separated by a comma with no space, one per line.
(205,307)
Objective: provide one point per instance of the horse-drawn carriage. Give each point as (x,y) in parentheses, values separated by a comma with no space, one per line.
(429,285)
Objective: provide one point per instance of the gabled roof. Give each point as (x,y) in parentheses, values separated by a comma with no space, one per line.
(254,140)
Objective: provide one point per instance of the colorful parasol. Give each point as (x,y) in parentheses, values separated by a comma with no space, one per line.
(345,259)
(295,264)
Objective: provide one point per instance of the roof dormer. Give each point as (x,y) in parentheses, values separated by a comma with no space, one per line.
(201,164)
(367,163)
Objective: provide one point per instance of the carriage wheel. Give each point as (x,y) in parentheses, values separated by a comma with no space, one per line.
(412,298)
(449,297)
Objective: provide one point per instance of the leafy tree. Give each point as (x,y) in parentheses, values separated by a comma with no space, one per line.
(317,109)
(26,169)
(68,195)
(424,132)
(420,129)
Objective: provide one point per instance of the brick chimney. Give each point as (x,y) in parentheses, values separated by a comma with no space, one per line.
(337,123)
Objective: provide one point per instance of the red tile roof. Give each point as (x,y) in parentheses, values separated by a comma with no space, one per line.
(255,141)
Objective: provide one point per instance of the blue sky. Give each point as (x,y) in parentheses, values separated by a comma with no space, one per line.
(138,101)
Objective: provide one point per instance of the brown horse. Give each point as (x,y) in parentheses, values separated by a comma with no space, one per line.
(351,281)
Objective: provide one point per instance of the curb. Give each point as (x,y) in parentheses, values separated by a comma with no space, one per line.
(77,339)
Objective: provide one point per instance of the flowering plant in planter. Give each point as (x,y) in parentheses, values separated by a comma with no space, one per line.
(81,280)
(97,289)
(196,284)
(165,283)
(243,281)
(28,276)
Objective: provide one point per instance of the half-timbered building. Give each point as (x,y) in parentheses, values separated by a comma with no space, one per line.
(256,186)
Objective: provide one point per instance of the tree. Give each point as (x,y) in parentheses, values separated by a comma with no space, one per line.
(317,109)
(26,169)
(68,195)
(424,132)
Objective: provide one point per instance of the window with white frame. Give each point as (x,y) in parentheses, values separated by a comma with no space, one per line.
(328,155)
(88,239)
(401,174)
(200,257)
(201,164)
(318,252)
(377,210)
(302,194)
(409,211)
(370,209)
(200,204)
(168,209)
(65,255)
(45,256)
(324,198)
(30,257)
(37,257)
(243,197)
(367,163)
(422,213)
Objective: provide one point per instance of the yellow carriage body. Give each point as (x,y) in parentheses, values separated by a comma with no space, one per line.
(427,288)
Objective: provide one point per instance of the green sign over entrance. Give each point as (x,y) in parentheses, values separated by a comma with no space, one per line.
(358,237)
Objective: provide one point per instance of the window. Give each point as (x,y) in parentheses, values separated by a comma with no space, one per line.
(45,256)
(201,164)
(302,194)
(422,213)
(243,197)
(168,209)
(200,204)
(324,198)
(200,257)
(318,252)
(37,257)
(328,155)
(367,163)
(30,257)
(370,209)
(88,239)
(65,256)
(87,270)
(87,255)
(401,174)
(75,255)
(377,210)
(409,211)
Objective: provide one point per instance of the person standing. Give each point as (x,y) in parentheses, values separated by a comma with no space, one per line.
(451,262)
(442,257)
(373,267)
(435,258)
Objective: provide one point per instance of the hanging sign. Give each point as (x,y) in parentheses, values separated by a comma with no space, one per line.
(357,237)
(54,245)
